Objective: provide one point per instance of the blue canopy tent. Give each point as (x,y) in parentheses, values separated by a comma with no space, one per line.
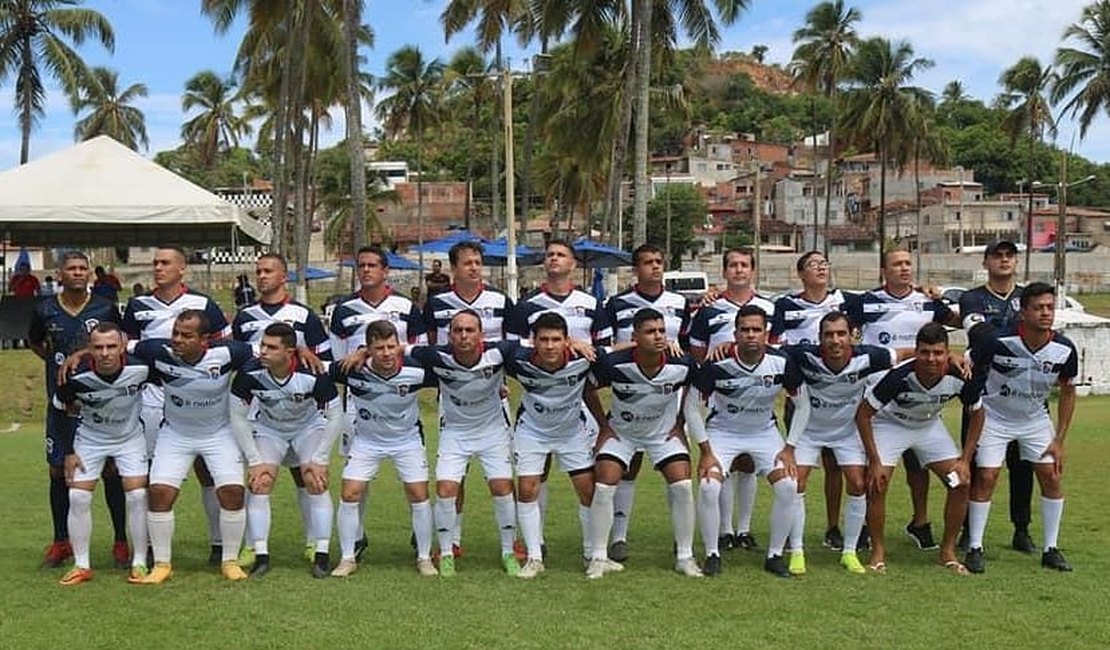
(311,273)
(596,255)
(496,253)
(444,244)
(395,261)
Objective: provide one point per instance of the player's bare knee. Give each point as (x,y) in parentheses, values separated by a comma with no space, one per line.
(416,492)
(608,471)
(528,489)
(161,497)
(447,489)
(133,483)
(500,487)
(675,468)
(230,496)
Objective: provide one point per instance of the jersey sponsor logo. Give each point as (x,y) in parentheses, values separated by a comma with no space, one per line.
(768,381)
(214,372)
(629,416)
(177,401)
(1015,304)
(90,325)
(59,358)
(884,338)
(1047,367)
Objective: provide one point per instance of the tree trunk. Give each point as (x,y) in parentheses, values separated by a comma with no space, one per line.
(610,226)
(829,172)
(27,111)
(643,83)
(882,210)
(495,162)
(302,231)
(530,143)
(278,215)
(468,208)
(352,13)
(917,194)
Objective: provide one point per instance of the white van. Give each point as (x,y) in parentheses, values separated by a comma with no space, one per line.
(691,284)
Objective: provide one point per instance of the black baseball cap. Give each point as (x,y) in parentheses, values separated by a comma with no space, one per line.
(1000,245)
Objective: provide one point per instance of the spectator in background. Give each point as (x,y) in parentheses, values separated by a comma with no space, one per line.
(49,287)
(138,289)
(245,295)
(22,283)
(106,285)
(437,281)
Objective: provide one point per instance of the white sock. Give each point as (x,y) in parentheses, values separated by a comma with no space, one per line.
(79,521)
(304,505)
(349,529)
(682,517)
(530,521)
(211,513)
(232,524)
(977,512)
(1052,510)
(798,529)
(136,525)
(456,530)
(747,484)
(709,515)
(726,499)
(782,514)
(584,525)
(160,527)
(623,501)
(422,528)
(542,501)
(854,517)
(504,512)
(320,520)
(445,523)
(601,520)
(258,522)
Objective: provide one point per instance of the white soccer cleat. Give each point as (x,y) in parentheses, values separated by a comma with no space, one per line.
(425,567)
(346,567)
(612,567)
(595,569)
(688,567)
(531,569)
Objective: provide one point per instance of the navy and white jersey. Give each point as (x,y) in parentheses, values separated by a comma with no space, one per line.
(742,398)
(63,333)
(834,396)
(586,320)
(641,406)
(900,396)
(388,414)
(551,402)
(715,323)
(289,405)
(621,308)
(197,394)
(469,396)
(892,321)
(350,318)
(1018,380)
(981,305)
(493,307)
(109,405)
(147,317)
(252,321)
(796,320)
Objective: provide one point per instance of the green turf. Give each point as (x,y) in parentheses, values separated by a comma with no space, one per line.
(386,604)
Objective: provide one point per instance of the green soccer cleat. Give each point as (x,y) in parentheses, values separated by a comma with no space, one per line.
(447,566)
(797,563)
(511,564)
(850,561)
(246,557)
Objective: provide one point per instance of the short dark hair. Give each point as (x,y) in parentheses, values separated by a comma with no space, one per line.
(276,257)
(459,247)
(738,251)
(750,310)
(890,251)
(107,327)
(1035,290)
(75,255)
(931,334)
(644,315)
(644,249)
(550,320)
(804,259)
(561,242)
(466,312)
(832,317)
(175,248)
(99,270)
(284,331)
(376,250)
(197,315)
(380,330)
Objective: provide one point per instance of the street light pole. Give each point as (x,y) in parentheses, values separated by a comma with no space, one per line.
(757,219)
(960,214)
(668,208)
(510,190)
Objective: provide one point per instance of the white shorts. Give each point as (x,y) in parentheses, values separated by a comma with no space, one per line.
(930,444)
(762,446)
(1031,443)
(848,448)
(129,454)
(174,455)
(455,450)
(658,449)
(276,448)
(575,453)
(151,418)
(364,460)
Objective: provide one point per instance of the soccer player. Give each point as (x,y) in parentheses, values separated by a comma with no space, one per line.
(196,375)
(275,305)
(1022,367)
(548,423)
(890,316)
(60,326)
(152,316)
(644,413)
(647,264)
(902,412)
(383,395)
(714,325)
(289,401)
(473,424)
(990,308)
(107,395)
(826,386)
(795,322)
(741,389)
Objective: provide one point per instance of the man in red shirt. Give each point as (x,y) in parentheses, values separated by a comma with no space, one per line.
(22,284)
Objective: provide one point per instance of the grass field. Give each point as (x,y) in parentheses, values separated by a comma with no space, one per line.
(387,605)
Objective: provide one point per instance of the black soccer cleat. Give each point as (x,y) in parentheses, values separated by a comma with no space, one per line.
(863,543)
(747,542)
(618,551)
(776,566)
(922,536)
(726,542)
(1022,542)
(215,555)
(834,540)
(712,566)
(321,565)
(360,547)
(974,560)
(1053,559)
(261,565)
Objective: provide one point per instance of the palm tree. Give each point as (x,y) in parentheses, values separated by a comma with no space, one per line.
(35,37)
(414,106)
(824,51)
(1084,70)
(352,19)
(110,111)
(880,106)
(468,73)
(218,126)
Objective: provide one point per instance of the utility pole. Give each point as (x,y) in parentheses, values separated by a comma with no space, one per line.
(668,208)
(757,218)
(510,203)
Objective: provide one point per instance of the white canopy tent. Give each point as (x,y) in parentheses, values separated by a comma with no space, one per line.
(100,193)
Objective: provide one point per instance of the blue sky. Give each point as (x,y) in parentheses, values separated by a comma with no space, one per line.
(164,42)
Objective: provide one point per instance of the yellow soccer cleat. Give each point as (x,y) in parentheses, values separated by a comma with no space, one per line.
(231,570)
(797,563)
(159,574)
(76,576)
(850,561)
